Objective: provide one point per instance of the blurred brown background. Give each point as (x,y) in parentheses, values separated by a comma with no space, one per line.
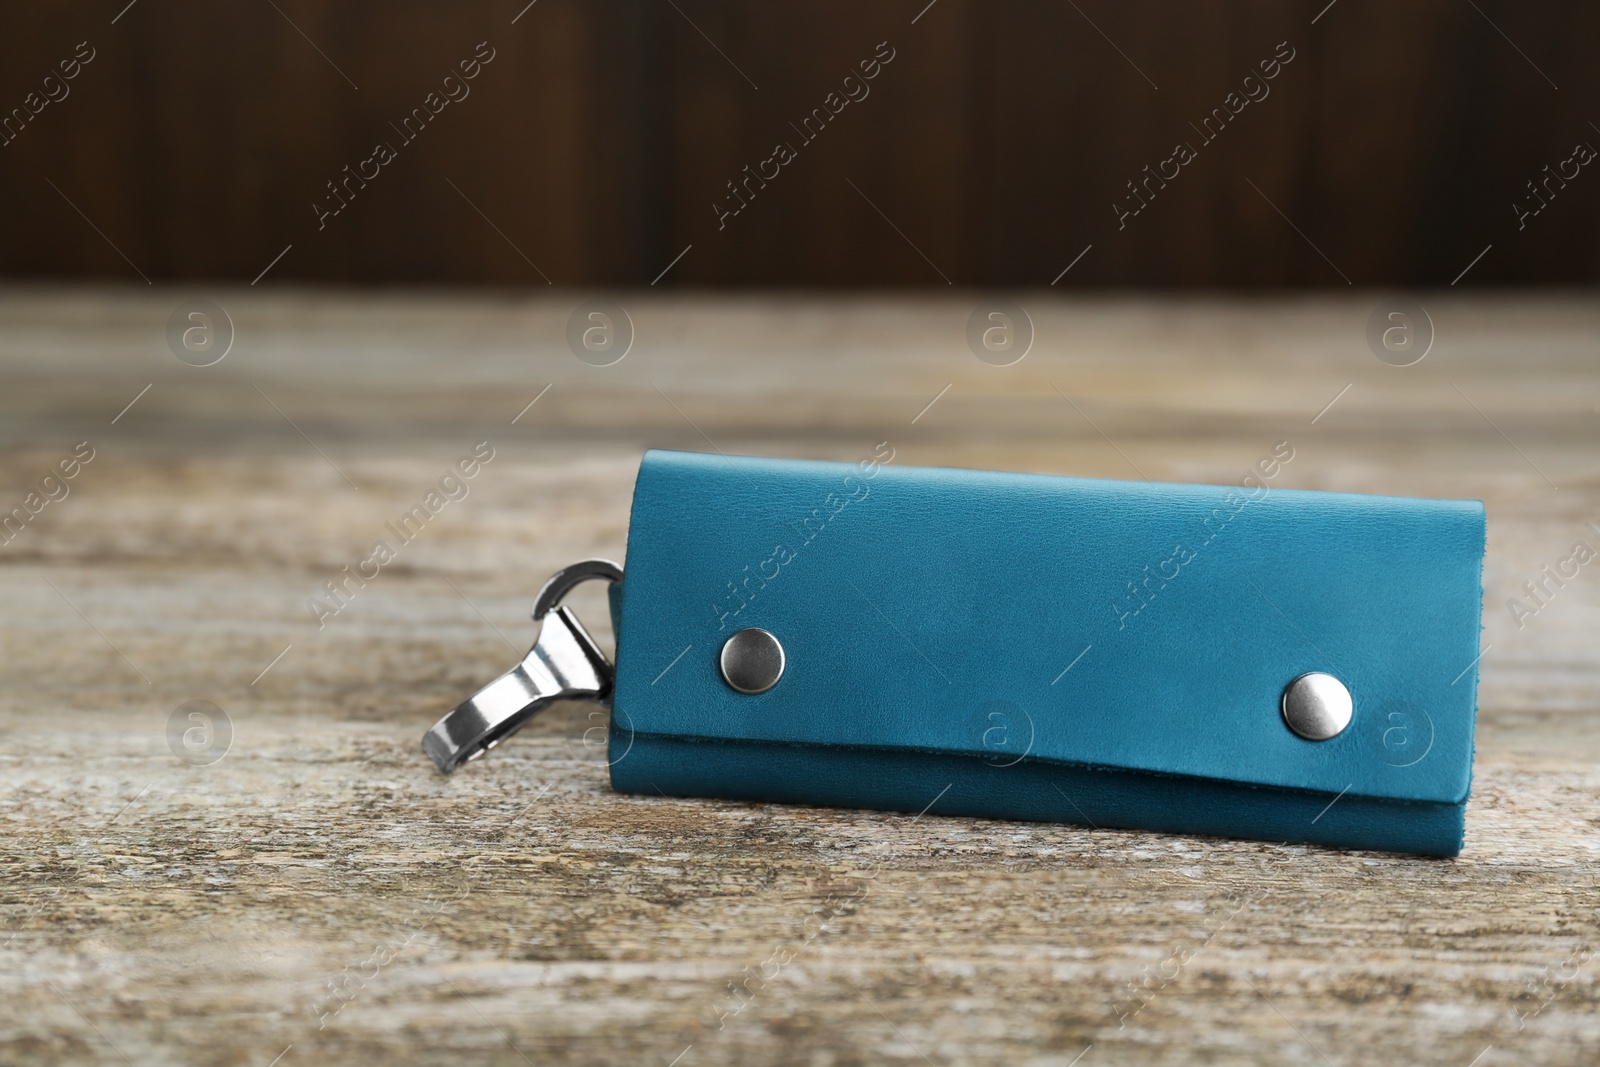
(990,150)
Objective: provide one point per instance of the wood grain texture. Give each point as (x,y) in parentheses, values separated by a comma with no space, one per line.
(600,142)
(520,912)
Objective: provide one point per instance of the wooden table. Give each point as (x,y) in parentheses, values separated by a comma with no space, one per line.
(320,895)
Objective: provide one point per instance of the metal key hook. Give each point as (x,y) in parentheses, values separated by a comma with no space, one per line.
(564,664)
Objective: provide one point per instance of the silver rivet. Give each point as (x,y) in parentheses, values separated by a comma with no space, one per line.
(1317,706)
(752,661)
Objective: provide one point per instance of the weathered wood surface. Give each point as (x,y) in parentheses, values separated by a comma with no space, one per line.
(522,913)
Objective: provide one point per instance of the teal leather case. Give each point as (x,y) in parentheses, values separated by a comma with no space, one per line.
(1017,646)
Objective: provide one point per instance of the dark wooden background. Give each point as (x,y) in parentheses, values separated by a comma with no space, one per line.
(989,152)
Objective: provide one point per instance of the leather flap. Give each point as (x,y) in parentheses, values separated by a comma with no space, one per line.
(1142,626)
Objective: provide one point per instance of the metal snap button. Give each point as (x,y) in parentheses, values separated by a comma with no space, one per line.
(752,661)
(1317,706)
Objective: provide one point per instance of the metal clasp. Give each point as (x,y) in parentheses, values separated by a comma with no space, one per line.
(564,664)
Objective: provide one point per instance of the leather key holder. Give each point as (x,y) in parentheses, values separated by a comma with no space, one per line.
(1242,661)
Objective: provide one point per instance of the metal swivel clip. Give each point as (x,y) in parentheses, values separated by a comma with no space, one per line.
(564,664)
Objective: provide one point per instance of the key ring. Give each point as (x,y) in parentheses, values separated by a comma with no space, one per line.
(564,664)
